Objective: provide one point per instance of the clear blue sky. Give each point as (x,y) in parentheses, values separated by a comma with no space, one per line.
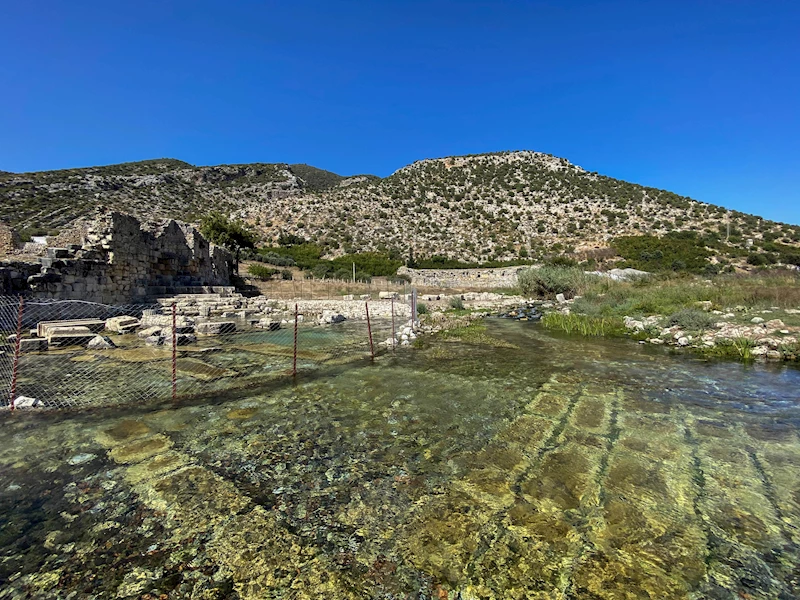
(701,98)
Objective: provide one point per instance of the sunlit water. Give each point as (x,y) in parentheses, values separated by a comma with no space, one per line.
(533,467)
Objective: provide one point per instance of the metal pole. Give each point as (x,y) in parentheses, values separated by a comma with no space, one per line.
(174,352)
(369,330)
(394,335)
(294,358)
(17,343)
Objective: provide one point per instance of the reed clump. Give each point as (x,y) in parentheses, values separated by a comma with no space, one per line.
(584,324)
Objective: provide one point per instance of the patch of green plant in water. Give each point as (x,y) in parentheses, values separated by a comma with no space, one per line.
(474,333)
(738,349)
(584,324)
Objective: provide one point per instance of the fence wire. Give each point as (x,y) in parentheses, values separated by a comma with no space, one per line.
(73,354)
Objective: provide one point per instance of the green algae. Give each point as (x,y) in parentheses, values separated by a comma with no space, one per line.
(410,478)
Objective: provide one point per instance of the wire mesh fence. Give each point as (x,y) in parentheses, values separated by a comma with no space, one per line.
(59,354)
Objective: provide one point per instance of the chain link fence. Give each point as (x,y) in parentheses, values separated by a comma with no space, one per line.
(64,354)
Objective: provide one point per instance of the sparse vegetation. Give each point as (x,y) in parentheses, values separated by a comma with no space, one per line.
(691,319)
(456,303)
(548,281)
(494,209)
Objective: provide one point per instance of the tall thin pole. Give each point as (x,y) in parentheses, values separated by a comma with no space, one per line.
(394,335)
(174,352)
(354,272)
(369,331)
(17,343)
(294,357)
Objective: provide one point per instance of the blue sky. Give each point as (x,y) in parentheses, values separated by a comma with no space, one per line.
(701,98)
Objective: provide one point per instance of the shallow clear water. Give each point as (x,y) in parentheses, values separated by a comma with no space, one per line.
(525,466)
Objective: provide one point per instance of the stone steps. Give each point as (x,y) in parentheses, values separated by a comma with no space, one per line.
(246,540)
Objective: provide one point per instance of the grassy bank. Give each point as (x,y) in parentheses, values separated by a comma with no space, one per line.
(739,316)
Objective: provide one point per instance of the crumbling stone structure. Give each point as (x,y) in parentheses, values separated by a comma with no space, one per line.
(463,278)
(9,239)
(123,260)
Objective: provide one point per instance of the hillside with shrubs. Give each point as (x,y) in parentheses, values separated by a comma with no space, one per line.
(484,209)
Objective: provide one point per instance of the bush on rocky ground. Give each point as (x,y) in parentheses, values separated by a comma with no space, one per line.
(548,281)
(691,318)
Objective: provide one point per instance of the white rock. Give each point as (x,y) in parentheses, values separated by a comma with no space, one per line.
(101,342)
(26,402)
(149,332)
(683,341)
(122,324)
(756,320)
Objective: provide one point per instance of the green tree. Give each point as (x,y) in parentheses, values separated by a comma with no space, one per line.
(232,234)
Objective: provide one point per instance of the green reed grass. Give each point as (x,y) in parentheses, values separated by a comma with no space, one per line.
(584,324)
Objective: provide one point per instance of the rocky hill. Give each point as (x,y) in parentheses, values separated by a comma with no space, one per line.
(478,208)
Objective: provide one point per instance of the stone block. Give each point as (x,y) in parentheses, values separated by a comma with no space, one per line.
(268,324)
(216,328)
(93,325)
(181,339)
(101,342)
(32,345)
(69,336)
(123,324)
(150,331)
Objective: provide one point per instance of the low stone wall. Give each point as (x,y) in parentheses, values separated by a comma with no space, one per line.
(463,278)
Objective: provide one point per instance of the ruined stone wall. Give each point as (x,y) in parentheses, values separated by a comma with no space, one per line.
(463,278)
(123,260)
(9,240)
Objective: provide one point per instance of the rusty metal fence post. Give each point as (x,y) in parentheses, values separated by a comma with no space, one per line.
(174,352)
(294,356)
(17,345)
(369,331)
(394,334)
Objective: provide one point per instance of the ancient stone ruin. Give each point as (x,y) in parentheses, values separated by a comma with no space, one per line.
(122,260)
(9,239)
(463,278)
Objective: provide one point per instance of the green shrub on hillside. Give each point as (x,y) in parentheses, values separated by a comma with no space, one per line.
(673,252)
(261,272)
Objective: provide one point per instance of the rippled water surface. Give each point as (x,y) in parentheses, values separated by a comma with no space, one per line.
(519,465)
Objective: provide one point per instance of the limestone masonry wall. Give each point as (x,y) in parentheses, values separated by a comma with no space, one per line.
(463,278)
(9,240)
(123,260)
